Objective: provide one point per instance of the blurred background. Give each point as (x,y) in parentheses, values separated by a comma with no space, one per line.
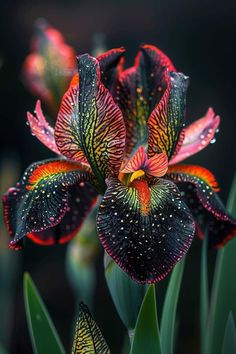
(199,37)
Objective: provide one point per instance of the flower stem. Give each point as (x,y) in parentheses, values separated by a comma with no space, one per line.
(204,299)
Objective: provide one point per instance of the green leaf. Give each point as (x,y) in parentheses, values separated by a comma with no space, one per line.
(229,343)
(126,294)
(42,331)
(224,287)
(204,296)
(3,350)
(169,309)
(146,335)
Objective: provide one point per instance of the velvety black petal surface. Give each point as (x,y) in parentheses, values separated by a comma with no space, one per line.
(197,188)
(81,200)
(43,198)
(111,64)
(145,229)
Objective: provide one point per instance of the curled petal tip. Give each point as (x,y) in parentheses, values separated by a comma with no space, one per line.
(198,135)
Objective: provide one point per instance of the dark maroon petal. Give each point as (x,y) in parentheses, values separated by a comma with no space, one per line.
(145,228)
(205,204)
(111,65)
(140,89)
(42,198)
(81,200)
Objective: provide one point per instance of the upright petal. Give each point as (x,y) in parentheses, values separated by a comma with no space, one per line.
(197,136)
(154,65)
(94,123)
(166,120)
(41,128)
(198,186)
(88,337)
(43,198)
(111,65)
(139,90)
(67,127)
(145,228)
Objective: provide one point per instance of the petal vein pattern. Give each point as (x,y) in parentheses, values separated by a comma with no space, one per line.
(166,120)
(88,337)
(101,126)
(66,131)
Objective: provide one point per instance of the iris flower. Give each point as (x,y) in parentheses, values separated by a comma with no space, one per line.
(48,69)
(121,134)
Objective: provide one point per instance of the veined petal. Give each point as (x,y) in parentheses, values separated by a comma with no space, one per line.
(88,337)
(154,65)
(67,127)
(43,198)
(41,128)
(99,128)
(197,136)
(155,166)
(198,187)
(167,119)
(111,64)
(139,91)
(133,107)
(145,228)
(137,161)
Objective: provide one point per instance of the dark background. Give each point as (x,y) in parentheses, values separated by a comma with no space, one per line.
(199,36)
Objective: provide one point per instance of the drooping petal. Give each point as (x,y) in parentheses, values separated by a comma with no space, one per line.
(88,337)
(94,123)
(197,136)
(41,128)
(145,228)
(199,187)
(166,120)
(81,199)
(139,91)
(43,198)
